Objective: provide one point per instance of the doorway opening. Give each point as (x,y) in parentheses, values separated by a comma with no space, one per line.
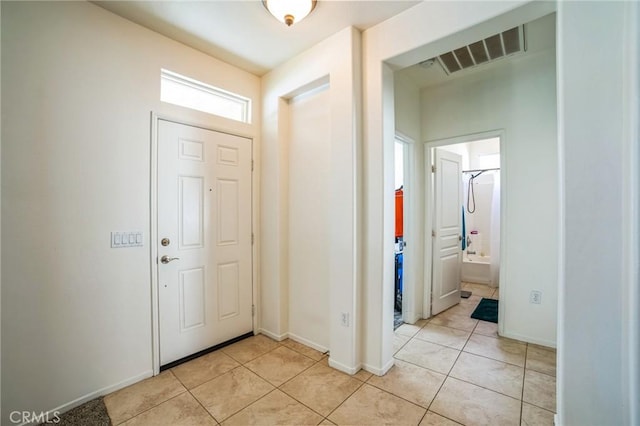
(401,152)
(463,209)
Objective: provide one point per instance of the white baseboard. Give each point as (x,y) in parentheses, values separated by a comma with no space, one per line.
(412,317)
(274,336)
(294,337)
(528,339)
(345,369)
(92,395)
(378,371)
(317,347)
(306,342)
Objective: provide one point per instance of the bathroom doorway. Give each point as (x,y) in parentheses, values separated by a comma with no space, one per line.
(465,259)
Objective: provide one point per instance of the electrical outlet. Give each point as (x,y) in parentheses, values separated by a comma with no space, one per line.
(344,319)
(535,297)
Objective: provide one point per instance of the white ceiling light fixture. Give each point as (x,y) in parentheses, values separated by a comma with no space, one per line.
(289,11)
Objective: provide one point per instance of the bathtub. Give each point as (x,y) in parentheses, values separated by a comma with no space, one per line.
(476,268)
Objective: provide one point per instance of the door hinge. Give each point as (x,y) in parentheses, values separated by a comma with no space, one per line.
(433,233)
(433,169)
(253,310)
(252,165)
(253,238)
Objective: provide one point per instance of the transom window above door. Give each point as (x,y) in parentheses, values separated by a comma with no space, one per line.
(189,93)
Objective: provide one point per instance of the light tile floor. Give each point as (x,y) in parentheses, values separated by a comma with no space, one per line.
(449,370)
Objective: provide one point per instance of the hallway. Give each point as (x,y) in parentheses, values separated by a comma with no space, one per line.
(448,369)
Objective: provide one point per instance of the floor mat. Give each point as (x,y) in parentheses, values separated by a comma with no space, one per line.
(92,413)
(487,310)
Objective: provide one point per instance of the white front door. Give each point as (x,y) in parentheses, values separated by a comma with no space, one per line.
(204,239)
(447,250)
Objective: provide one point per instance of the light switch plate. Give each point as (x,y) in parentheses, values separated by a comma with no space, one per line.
(122,239)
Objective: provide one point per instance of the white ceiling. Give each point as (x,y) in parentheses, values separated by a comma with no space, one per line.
(244,34)
(540,35)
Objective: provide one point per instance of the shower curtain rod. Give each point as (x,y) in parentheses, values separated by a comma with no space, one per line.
(480,170)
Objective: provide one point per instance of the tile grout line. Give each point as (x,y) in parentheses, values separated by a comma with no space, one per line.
(485,388)
(401,346)
(428,369)
(282,384)
(194,397)
(296,375)
(229,416)
(531,403)
(250,404)
(462,350)
(151,408)
(320,414)
(453,365)
(524,379)
(493,359)
(160,403)
(348,396)
(300,352)
(274,387)
(241,364)
(447,375)
(446,346)
(280,344)
(402,397)
(542,372)
(290,379)
(205,408)
(421,366)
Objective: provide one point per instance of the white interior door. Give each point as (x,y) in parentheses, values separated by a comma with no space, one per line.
(204,239)
(447,251)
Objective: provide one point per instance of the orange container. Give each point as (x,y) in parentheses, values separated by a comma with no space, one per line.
(399,212)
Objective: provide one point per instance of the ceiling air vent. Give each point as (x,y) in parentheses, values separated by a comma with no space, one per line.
(484,51)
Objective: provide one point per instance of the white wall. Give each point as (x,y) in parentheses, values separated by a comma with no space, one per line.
(407,125)
(82,82)
(309,227)
(335,60)
(420,32)
(407,107)
(0,218)
(519,98)
(599,349)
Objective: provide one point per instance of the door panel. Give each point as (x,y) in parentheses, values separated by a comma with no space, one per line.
(447,253)
(192,296)
(228,290)
(227,204)
(204,210)
(191,205)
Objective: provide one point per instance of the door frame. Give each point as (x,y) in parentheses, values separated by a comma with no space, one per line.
(429,215)
(412,289)
(153,231)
